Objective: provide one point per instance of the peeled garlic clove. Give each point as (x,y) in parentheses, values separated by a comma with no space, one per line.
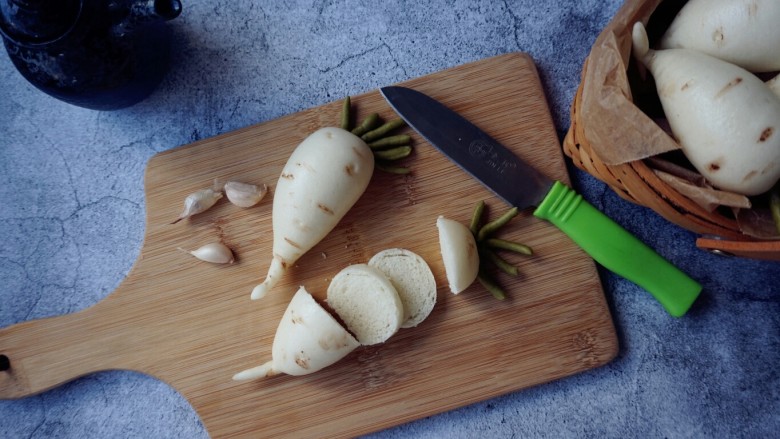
(216,253)
(198,202)
(243,194)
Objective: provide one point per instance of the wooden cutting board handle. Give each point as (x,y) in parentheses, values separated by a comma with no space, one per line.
(40,354)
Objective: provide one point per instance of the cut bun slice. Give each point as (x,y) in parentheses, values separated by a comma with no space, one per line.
(459,254)
(307,339)
(367,303)
(412,279)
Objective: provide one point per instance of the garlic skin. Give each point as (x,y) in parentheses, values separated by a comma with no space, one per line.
(243,194)
(198,202)
(216,253)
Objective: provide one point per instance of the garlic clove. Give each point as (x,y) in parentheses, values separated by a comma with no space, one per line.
(198,202)
(243,194)
(216,253)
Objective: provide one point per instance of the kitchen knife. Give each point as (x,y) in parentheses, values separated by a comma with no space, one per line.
(522,186)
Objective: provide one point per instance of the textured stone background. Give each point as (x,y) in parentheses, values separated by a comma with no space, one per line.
(72,218)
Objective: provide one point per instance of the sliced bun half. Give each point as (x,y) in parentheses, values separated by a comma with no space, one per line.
(459,254)
(367,302)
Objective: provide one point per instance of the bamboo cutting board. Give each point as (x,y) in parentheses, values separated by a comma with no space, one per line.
(193,325)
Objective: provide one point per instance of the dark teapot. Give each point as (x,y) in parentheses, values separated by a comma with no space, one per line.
(97,54)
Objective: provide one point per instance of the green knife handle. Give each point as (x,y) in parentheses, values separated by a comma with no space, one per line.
(618,250)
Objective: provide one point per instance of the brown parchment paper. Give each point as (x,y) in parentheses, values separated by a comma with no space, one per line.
(618,131)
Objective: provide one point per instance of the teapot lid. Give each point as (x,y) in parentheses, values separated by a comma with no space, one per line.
(37,21)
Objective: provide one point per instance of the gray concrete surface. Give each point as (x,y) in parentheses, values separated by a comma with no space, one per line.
(72,209)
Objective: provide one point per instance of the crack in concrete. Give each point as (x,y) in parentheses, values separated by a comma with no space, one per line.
(66,164)
(43,417)
(38,287)
(70,174)
(145,142)
(515,23)
(76,211)
(378,47)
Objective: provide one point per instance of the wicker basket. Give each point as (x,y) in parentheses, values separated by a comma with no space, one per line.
(636,182)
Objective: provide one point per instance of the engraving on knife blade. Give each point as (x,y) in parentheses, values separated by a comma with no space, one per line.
(486,152)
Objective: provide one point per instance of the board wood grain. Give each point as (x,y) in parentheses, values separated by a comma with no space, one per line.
(193,325)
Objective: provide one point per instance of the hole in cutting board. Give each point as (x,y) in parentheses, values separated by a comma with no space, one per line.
(5,363)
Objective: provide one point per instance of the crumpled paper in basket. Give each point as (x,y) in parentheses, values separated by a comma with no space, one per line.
(617,130)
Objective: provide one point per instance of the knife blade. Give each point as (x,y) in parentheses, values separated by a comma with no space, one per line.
(522,186)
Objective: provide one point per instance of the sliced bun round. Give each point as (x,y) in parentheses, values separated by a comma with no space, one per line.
(412,278)
(367,303)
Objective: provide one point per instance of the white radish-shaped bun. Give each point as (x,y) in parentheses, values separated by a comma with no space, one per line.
(459,254)
(774,85)
(742,32)
(412,279)
(307,339)
(726,120)
(367,303)
(323,178)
